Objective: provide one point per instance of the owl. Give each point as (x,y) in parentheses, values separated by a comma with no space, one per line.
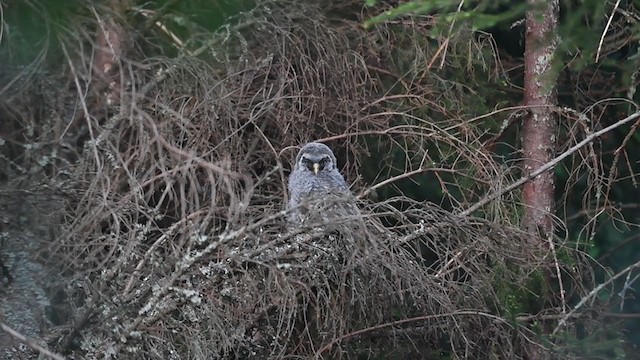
(316,188)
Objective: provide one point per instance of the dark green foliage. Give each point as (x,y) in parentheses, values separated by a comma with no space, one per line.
(482,14)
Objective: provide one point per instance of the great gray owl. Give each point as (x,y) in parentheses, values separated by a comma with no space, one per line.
(316,186)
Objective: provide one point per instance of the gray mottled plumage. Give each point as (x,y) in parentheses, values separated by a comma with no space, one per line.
(316,185)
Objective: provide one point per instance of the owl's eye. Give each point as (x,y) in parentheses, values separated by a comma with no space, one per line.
(324,162)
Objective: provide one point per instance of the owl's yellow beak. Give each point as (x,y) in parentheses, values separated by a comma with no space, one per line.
(316,168)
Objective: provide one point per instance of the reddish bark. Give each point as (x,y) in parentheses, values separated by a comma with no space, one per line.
(540,127)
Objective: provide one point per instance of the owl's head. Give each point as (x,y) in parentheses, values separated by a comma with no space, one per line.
(315,158)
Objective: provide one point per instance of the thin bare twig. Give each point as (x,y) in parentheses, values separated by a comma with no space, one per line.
(593,293)
(606,29)
(485,200)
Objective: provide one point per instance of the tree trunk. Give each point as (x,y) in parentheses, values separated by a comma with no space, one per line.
(540,127)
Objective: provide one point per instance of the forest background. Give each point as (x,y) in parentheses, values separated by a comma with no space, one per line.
(145,148)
